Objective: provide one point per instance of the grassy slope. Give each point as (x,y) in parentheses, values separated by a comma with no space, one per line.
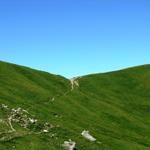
(114,107)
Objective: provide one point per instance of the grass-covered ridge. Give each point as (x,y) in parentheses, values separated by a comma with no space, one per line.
(114,107)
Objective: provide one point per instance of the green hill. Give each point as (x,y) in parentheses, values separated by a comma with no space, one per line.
(39,111)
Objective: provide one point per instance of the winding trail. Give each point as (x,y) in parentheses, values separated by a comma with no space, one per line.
(74,83)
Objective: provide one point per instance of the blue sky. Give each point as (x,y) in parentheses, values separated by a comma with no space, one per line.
(75,37)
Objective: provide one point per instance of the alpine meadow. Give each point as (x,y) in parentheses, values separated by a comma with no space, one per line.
(39,110)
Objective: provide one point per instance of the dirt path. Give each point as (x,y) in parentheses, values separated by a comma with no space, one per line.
(74,83)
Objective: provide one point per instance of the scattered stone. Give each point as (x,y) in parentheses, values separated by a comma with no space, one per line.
(19,116)
(87,136)
(33,121)
(52,99)
(25,111)
(10,124)
(4,106)
(1,121)
(53,135)
(46,127)
(45,131)
(69,145)
(14,147)
(24,119)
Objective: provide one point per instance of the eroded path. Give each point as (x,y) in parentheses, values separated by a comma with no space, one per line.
(74,83)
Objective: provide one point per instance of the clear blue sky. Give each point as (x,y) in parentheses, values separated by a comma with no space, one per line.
(75,37)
